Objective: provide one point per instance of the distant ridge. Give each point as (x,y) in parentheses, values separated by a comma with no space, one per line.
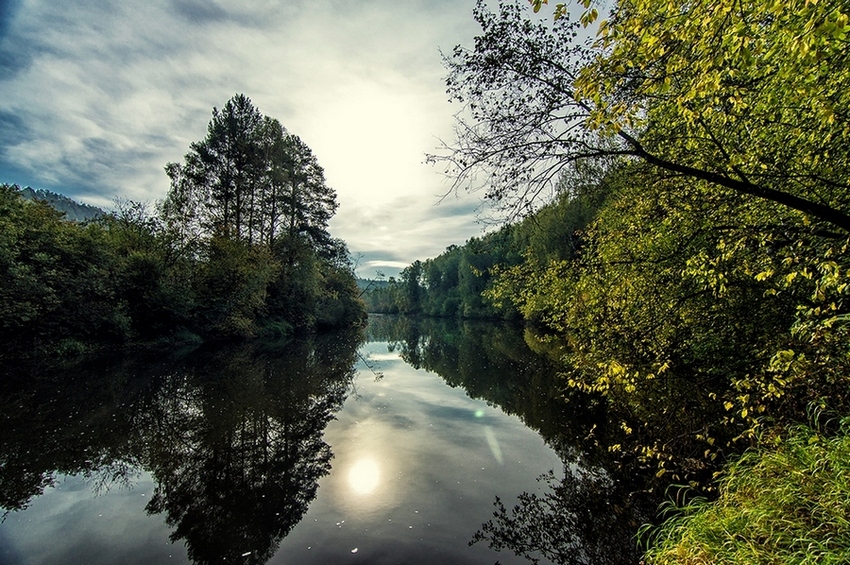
(371,284)
(73,210)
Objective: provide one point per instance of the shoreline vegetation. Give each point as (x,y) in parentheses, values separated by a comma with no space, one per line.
(785,502)
(691,269)
(239,248)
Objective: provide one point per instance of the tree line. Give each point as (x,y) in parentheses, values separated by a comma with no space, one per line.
(239,247)
(453,284)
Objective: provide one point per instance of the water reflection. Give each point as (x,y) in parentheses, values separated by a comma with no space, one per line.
(590,515)
(582,519)
(494,446)
(235,442)
(232,436)
(364,476)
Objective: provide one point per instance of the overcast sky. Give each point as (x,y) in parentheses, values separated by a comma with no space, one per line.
(97,96)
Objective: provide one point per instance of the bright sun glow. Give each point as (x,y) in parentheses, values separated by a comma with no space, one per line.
(364,476)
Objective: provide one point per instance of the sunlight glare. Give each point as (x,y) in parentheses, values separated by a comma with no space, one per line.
(364,476)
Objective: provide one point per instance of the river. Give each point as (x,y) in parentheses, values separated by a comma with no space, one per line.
(407,442)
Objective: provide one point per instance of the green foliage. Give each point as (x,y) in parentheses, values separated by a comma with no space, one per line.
(695,317)
(747,97)
(772,69)
(783,503)
(249,179)
(692,267)
(338,303)
(449,285)
(707,273)
(458,283)
(383,299)
(239,243)
(233,283)
(252,200)
(58,277)
(154,281)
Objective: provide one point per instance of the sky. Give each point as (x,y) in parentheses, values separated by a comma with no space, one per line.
(96,97)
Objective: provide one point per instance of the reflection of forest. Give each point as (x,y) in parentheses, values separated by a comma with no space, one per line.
(592,515)
(231,435)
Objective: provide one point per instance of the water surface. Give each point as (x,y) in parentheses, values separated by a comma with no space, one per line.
(397,448)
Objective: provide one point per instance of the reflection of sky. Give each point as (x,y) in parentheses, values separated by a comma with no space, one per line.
(441,459)
(416,468)
(70,522)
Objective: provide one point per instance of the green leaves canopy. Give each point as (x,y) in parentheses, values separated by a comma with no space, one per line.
(250,179)
(747,95)
(748,98)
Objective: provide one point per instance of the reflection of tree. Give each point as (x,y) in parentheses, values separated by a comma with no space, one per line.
(70,418)
(236,447)
(591,515)
(583,519)
(232,435)
(491,361)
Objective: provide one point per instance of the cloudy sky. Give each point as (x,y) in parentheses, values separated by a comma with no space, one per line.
(97,96)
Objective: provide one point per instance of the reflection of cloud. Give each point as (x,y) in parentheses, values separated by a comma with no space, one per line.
(93,540)
(493,444)
(440,467)
(384,356)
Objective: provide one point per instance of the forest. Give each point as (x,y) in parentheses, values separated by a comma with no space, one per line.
(694,257)
(238,248)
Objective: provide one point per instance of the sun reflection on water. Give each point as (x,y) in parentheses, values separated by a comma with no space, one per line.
(364,476)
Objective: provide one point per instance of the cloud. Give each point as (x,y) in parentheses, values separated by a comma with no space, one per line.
(13,127)
(383,263)
(8,9)
(100,97)
(196,11)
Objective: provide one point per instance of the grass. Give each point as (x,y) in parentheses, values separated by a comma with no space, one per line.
(784,503)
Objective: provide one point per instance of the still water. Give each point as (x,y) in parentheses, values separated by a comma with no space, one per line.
(409,442)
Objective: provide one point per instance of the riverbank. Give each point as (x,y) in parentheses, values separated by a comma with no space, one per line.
(785,502)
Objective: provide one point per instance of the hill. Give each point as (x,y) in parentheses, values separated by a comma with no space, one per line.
(74,211)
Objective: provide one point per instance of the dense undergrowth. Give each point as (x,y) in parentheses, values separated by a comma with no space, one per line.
(785,502)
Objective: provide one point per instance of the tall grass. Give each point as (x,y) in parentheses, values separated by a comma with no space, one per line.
(785,503)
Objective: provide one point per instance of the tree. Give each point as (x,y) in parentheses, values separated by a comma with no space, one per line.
(746,96)
(153,281)
(57,278)
(250,204)
(224,169)
(309,202)
(249,179)
(412,289)
(295,201)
